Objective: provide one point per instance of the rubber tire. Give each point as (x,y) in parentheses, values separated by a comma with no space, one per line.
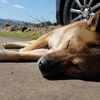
(66,12)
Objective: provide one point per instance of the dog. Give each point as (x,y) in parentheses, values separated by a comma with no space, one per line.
(71,50)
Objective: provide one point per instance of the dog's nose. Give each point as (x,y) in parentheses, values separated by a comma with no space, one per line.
(42,64)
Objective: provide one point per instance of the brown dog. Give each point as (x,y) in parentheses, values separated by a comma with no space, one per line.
(70,50)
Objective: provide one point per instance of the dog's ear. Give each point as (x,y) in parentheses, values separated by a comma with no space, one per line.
(94,22)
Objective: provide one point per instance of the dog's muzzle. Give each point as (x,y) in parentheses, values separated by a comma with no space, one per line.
(50,66)
(47,66)
(44,66)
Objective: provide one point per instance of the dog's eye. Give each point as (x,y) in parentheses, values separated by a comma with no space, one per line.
(68,44)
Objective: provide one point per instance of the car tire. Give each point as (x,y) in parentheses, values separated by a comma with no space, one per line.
(66,12)
(75,10)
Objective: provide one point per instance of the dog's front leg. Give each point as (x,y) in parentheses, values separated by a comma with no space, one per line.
(12,45)
(6,55)
(42,42)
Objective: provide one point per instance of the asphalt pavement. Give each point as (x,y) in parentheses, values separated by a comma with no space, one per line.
(23,81)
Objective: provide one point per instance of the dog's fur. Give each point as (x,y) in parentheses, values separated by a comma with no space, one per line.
(72,50)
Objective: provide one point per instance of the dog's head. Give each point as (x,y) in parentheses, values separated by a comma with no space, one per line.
(80,56)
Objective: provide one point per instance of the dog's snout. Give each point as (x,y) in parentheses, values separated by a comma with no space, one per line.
(44,66)
(52,65)
(42,63)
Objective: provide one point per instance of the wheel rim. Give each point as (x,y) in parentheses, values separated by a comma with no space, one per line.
(83,9)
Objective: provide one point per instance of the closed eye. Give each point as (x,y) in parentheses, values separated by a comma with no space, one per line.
(68,44)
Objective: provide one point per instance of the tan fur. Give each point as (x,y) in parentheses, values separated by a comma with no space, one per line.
(72,49)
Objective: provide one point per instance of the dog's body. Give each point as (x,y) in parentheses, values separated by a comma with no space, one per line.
(70,50)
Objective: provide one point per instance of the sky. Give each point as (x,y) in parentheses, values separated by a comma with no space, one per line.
(28,10)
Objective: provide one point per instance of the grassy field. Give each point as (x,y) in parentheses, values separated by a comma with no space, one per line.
(28,35)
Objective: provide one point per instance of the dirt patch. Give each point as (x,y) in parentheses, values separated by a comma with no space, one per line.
(27,29)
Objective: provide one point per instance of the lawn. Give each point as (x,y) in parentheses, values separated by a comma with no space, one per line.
(28,35)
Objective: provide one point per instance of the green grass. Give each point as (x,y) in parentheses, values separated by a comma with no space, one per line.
(28,35)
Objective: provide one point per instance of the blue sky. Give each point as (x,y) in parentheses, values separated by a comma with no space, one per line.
(28,10)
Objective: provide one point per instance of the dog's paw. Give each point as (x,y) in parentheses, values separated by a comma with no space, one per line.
(6,45)
(2,51)
(3,54)
(6,55)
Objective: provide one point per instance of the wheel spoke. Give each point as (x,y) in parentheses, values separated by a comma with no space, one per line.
(76,19)
(85,3)
(75,11)
(95,7)
(78,3)
(90,3)
(91,14)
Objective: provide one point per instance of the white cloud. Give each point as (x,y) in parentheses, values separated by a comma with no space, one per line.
(4,1)
(18,6)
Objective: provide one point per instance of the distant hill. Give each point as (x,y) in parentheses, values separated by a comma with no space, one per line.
(13,22)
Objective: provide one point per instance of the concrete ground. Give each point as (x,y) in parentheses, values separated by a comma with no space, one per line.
(23,81)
